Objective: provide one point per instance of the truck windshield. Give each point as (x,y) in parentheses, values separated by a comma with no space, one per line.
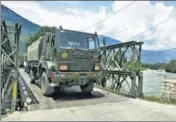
(77,40)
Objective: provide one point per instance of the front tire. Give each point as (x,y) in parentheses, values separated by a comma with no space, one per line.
(47,90)
(87,88)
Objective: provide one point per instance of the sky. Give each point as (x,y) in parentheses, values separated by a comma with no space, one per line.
(125,25)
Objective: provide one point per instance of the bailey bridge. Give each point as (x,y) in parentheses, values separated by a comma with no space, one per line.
(121,73)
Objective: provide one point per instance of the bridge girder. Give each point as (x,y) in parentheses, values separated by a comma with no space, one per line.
(9,48)
(121,63)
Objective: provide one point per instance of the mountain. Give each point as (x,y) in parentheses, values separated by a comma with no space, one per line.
(148,56)
(108,40)
(11,17)
(29,28)
(151,57)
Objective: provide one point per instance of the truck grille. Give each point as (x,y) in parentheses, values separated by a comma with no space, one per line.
(81,66)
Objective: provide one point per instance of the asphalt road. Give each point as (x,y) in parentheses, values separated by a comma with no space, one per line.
(71,104)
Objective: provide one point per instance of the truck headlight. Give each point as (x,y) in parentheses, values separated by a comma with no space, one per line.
(63,67)
(97,67)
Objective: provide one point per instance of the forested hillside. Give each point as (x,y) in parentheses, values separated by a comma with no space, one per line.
(170,67)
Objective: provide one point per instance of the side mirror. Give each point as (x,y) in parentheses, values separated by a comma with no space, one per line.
(47,38)
(60,27)
(104,43)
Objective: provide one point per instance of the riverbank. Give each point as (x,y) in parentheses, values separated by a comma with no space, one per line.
(152,81)
(168,67)
(158,100)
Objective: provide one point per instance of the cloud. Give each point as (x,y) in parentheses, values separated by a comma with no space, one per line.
(123,25)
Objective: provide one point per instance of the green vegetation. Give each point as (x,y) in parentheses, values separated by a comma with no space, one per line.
(171,67)
(39,33)
(158,100)
(137,67)
(156,66)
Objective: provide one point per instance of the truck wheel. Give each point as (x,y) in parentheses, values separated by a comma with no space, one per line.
(46,89)
(87,88)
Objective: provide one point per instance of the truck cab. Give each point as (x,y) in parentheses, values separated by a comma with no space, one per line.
(69,58)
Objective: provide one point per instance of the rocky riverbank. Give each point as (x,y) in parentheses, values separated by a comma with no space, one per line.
(168,90)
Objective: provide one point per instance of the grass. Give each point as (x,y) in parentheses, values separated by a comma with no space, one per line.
(158,100)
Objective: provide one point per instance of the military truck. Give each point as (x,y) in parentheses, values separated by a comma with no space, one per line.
(65,58)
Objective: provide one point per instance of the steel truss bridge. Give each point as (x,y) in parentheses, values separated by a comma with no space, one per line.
(15,94)
(121,65)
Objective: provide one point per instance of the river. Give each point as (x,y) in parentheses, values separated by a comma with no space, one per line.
(152,80)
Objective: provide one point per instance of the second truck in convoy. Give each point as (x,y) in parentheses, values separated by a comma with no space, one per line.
(64,58)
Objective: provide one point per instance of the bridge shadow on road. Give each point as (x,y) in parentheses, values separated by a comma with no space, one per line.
(74,93)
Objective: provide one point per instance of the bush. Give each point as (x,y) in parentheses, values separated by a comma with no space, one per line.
(171,67)
(156,66)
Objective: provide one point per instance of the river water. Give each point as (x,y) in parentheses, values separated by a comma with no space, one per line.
(152,80)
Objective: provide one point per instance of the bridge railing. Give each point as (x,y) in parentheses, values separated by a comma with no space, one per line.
(121,68)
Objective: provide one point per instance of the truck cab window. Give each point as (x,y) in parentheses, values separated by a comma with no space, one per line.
(92,44)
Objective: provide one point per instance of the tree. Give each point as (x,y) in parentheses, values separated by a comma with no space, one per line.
(171,67)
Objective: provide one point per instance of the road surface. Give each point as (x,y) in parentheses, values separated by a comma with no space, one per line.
(100,106)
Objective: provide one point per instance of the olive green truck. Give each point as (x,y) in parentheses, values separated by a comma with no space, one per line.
(64,58)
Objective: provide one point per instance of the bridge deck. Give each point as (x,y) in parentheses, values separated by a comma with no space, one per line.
(132,110)
(101,105)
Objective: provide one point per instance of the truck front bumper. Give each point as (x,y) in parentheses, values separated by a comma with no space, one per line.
(73,78)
